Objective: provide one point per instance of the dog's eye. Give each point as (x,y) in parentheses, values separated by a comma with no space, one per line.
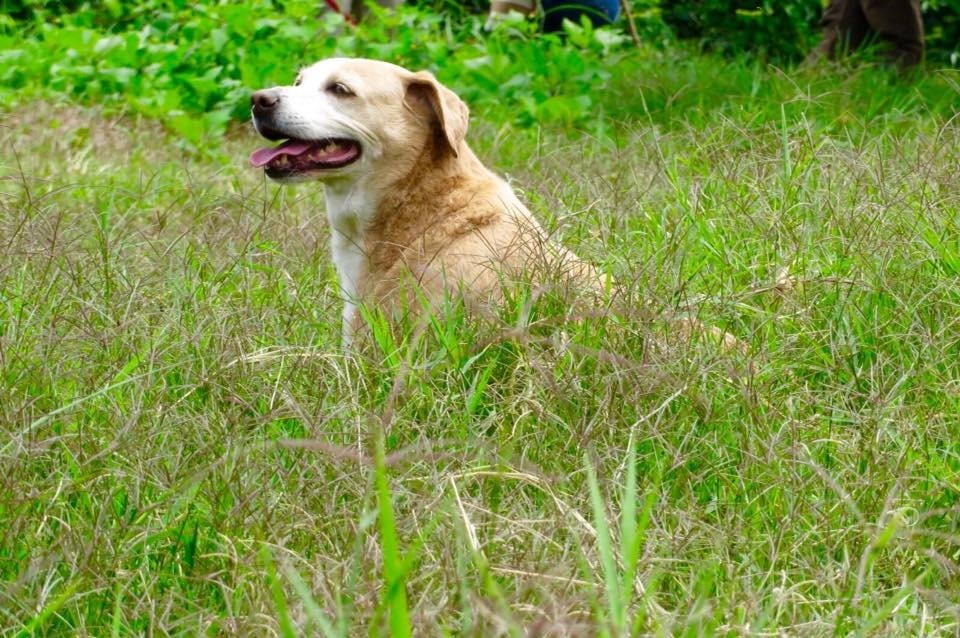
(339,89)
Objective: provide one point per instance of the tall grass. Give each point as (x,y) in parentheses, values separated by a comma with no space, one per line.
(187,450)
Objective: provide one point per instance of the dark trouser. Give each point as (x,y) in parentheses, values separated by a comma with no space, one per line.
(896,24)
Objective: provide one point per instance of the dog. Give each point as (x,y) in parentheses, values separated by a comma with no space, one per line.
(413,212)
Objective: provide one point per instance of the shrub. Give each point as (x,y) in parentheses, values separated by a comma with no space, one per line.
(785,30)
(778,30)
(941,21)
(193,65)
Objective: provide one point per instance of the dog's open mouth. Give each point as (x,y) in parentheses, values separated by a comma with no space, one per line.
(296,156)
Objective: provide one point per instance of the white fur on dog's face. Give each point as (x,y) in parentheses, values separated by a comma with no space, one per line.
(316,107)
(363,101)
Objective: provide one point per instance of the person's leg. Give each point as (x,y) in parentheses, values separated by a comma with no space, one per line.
(899,25)
(844,29)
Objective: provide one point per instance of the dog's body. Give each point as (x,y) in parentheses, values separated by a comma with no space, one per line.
(411,208)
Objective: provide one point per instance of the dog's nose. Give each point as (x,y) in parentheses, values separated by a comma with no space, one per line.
(264,101)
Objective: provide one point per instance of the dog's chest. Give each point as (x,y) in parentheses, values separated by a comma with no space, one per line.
(349,211)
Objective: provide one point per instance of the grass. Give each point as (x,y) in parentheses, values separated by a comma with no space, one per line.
(187,450)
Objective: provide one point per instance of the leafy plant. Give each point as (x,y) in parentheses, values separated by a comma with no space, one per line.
(771,29)
(193,67)
(941,24)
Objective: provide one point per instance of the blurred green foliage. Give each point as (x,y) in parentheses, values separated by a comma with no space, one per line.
(941,20)
(193,64)
(778,29)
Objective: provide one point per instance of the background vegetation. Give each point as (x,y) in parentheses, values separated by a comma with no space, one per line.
(192,64)
(187,450)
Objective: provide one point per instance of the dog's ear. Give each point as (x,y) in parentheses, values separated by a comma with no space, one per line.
(448,112)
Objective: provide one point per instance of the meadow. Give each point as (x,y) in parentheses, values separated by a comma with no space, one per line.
(188,450)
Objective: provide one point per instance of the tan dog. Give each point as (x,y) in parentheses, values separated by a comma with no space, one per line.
(407,199)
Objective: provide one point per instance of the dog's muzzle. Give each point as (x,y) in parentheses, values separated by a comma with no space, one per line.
(294,155)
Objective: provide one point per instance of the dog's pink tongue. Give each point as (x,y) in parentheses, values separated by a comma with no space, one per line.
(263,156)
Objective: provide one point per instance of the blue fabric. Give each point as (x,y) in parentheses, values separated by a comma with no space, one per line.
(599,12)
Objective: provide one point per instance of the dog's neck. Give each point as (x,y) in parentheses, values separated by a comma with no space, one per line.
(417,199)
(350,207)
(371,225)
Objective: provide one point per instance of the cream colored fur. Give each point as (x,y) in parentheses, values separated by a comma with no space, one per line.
(418,206)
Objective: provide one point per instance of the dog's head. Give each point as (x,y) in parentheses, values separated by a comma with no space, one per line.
(351,118)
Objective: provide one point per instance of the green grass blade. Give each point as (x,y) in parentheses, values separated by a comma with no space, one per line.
(117,621)
(608,560)
(314,612)
(287,629)
(50,609)
(883,613)
(393,577)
